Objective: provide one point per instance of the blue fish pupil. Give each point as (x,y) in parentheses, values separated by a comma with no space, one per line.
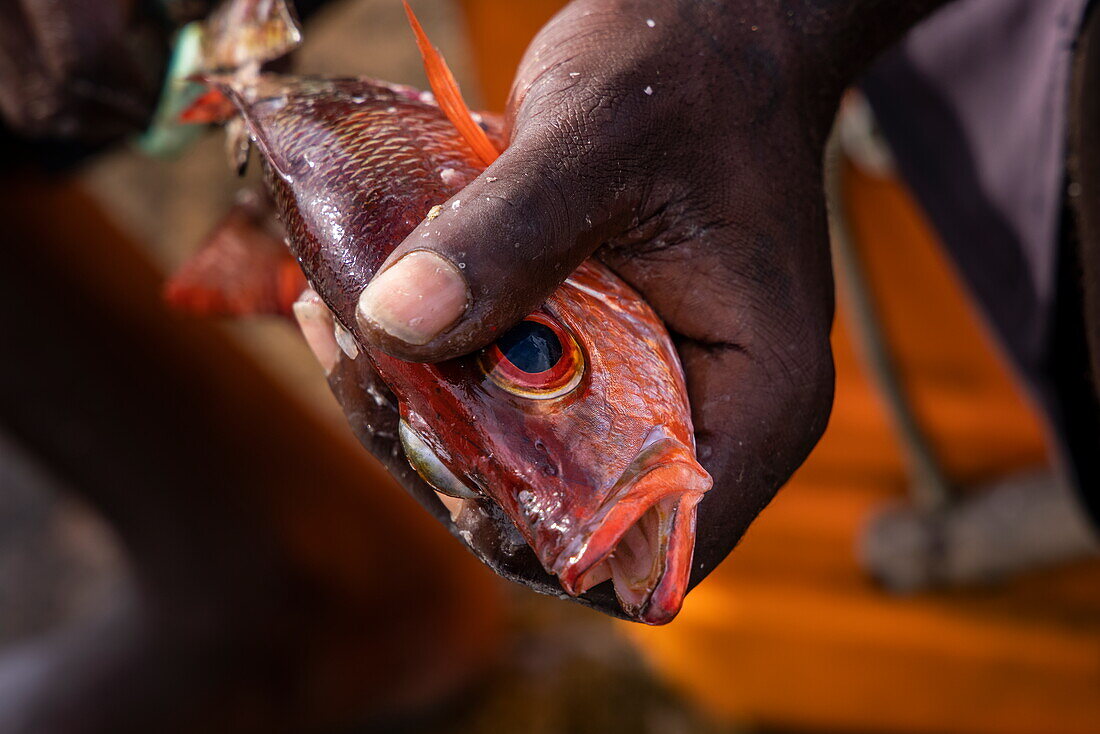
(530,346)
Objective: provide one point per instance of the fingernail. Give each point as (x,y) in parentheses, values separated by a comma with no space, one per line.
(316,323)
(415,298)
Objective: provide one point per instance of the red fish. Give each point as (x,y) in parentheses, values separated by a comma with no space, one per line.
(575,423)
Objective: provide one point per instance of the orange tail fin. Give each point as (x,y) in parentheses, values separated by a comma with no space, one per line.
(448,96)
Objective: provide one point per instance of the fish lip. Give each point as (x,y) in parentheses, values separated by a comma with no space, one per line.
(664,476)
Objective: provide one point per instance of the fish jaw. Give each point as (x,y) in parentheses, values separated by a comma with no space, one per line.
(641,537)
(644,539)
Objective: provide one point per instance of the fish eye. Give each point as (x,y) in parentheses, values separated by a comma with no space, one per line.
(537,358)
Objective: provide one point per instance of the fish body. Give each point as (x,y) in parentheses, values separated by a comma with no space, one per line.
(575,423)
(586,447)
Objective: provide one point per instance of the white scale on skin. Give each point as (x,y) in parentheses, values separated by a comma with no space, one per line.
(450,177)
(345,340)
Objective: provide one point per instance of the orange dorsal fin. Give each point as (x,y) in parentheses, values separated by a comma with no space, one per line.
(448,95)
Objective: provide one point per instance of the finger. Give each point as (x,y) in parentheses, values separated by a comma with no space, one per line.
(494,253)
(751,321)
(319,329)
(370,406)
(752,431)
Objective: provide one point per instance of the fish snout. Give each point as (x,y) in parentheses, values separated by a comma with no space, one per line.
(640,536)
(643,537)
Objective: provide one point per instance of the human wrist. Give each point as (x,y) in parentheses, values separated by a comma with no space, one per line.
(810,50)
(833,43)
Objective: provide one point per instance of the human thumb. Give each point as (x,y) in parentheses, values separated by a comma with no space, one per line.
(492,254)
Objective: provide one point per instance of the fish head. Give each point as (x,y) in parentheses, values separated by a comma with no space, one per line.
(576,424)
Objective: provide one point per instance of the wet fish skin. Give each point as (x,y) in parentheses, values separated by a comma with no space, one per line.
(354,167)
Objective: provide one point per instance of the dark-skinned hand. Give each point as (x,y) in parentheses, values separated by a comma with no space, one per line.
(680,143)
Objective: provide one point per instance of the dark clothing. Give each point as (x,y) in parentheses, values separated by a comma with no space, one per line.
(974,103)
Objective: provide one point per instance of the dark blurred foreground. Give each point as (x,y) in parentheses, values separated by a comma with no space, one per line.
(284,582)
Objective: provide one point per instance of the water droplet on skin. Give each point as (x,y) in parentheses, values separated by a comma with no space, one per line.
(456,204)
(462,266)
(648,90)
(650,22)
(574,74)
(490,179)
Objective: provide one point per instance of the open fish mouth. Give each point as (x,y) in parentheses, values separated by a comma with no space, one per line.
(641,538)
(645,541)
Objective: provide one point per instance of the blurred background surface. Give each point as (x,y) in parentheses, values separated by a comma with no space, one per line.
(792,633)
